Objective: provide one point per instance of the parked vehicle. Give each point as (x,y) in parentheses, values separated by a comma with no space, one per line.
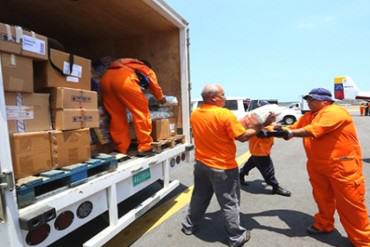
(240,106)
(147,29)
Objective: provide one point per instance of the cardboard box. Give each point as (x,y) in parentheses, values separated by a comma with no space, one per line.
(33,45)
(46,76)
(70,147)
(62,98)
(8,40)
(17,73)
(30,153)
(27,112)
(69,119)
(160,129)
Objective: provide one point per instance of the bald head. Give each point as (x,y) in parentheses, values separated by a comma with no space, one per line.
(210,91)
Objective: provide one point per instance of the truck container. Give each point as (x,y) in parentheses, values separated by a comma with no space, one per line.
(146,29)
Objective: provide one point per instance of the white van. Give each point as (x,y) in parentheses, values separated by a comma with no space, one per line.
(240,106)
(236,105)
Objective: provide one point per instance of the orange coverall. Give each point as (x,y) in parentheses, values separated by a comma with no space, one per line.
(362,109)
(121,90)
(335,169)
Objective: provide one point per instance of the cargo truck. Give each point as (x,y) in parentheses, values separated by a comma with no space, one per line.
(147,29)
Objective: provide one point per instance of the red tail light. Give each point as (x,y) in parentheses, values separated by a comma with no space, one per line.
(38,234)
(63,220)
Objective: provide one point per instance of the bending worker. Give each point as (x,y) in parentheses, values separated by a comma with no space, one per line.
(215,130)
(334,166)
(122,88)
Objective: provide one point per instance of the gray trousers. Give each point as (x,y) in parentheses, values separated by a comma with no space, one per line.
(226,186)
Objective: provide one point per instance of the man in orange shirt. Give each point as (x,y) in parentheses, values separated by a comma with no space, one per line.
(334,166)
(215,130)
(260,149)
(122,88)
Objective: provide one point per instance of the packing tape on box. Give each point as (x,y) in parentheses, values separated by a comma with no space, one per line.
(81,98)
(19,123)
(82,119)
(18,34)
(13,60)
(54,148)
(19,113)
(9,36)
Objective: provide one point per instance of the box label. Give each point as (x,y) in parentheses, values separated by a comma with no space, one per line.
(72,79)
(76,70)
(32,44)
(14,112)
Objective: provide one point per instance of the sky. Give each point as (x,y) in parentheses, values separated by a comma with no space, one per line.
(276,49)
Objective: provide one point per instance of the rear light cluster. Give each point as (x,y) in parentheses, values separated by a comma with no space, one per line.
(62,221)
(177,159)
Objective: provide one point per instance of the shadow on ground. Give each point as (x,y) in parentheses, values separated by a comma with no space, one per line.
(296,222)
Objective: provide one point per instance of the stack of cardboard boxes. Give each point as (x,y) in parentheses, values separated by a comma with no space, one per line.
(49,110)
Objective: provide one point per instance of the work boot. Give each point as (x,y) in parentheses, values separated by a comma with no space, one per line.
(242,179)
(280,191)
(147,153)
(311,229)
(246,238)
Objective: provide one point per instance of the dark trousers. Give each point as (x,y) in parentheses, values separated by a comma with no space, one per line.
(264,165)
(225,185)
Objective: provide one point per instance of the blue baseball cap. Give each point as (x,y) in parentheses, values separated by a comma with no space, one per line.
(320,94)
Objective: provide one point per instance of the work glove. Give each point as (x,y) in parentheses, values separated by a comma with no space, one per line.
(263,134)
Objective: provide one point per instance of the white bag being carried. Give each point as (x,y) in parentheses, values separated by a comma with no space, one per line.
(262,112)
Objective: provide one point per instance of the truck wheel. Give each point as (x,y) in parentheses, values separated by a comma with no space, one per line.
(288,120)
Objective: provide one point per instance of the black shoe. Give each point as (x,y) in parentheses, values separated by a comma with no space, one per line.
(280,191)
(186,231)
(314,231)
(242,179)
(145,154)
(247,236)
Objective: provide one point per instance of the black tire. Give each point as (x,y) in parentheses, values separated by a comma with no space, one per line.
(288,120)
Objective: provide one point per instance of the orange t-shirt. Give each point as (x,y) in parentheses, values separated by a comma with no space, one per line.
(260,146)
(214,130)
(334,134)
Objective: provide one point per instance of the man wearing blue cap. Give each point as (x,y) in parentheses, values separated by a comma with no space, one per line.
(334,166)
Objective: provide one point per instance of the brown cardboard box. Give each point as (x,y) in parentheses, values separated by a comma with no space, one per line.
(31,113)
(160,129)
(30,153)
(17,73)
(8,40)
(33,45)
(70,147)
(62,98)
(46,76)
(69,119)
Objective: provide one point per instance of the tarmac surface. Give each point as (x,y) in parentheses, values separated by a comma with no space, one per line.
(273,220)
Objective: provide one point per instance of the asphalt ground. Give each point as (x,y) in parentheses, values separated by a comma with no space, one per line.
(273,220)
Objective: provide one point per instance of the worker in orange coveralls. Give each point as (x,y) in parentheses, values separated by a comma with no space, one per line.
(362,109)
(122,88)
(334,166)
